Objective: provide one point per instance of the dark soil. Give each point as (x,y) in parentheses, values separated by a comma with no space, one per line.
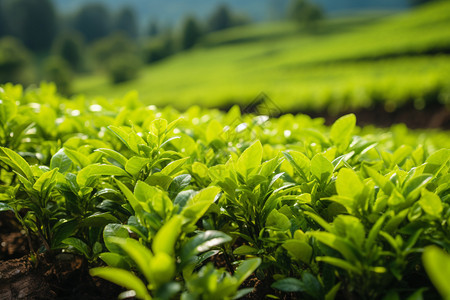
(64,276)
(13,243)
(261,288)
(431,117)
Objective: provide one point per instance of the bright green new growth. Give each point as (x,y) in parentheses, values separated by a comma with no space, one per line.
(202,204)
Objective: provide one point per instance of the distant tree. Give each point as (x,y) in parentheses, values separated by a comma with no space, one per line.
(93,21)
(118,55)
(15,61)
(70,47)
(123,68)
(32,21)
(3,23)
(57,70)
(113,46)
(305,13)
(126,21)
(277,9)
(156,49)
(419,2)
(191,33)
(220,19)
(153,29)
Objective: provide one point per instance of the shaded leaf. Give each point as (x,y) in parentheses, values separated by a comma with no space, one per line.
(123,278)
(61,161)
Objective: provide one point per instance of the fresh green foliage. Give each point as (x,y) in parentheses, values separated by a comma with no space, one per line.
(437,265)
(201,204)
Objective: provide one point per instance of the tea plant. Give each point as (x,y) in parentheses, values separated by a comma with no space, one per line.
(205,204)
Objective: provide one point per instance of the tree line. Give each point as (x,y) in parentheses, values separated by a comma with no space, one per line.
(38,43)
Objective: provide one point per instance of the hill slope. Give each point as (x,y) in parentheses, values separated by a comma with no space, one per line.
(393,60)
(173,10)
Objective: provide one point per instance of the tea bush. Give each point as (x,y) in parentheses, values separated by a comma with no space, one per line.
(201,204)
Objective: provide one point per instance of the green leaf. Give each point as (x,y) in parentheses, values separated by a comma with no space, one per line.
(322,168)
(114,260)
(312,286)
(349,227)
(348,183)
(269,167)
(120,133)
(63,230)
(401,154)
(417,295)
(245,250)
(150,196)
(167,236)
(45,180)
(396,198)
(319,221)
(114,230)
(182,198)
(17,162)
(178,184)
(158,126)
(331,295)
(203,242)
(437,266)
(200,169)
(61,161)
(300,163)
(339,263)
(278,221)
(431,204)
(373,233)
(289,285)
(250,159)
(348,203)
(214,130)
(160,180)
(99,220)
(242,292)
(135,164)
(341,131)
(131,198)
(8,110)
(338,243)
(162,268)
(299,250)
(384,183)
(140,254)
(414,185)
(123,278)
(196,206)
(246,269)
(436,161)
(98,170)
(174,167)
(77,157)
(122,160)
(5,207)
(395,221)
(78,244)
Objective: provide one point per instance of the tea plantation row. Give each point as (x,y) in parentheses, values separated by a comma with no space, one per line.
(347,64)
(205,204)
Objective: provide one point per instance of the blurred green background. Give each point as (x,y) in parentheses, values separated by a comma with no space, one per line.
(307,56)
